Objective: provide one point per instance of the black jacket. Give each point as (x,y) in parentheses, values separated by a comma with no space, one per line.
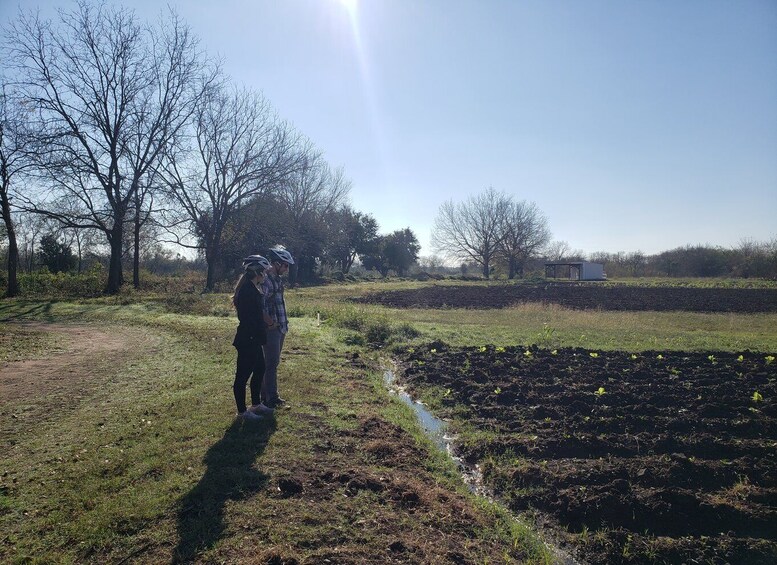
(252,331)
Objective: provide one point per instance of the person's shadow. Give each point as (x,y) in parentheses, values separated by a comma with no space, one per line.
(229,476)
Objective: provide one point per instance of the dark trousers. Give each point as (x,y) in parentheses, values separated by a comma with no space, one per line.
(250,365)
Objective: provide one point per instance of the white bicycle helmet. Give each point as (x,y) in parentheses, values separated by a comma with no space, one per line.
(254,261)
(279,253)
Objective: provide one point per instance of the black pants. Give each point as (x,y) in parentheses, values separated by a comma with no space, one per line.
(250,365)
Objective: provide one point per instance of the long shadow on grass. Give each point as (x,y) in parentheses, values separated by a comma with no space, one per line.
(230,476)
(10,311)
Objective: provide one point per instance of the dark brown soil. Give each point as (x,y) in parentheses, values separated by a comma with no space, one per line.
(582,296)
(648,458)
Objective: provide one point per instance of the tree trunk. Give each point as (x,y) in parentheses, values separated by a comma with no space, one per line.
(511,268)
(13,249)
(114,267)
(136,251)
(486,269)
(211,252)
(80,254)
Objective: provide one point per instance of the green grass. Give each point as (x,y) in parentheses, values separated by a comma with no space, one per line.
(552,325)
(147,464)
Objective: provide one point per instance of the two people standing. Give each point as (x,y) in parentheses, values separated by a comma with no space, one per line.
(262,328)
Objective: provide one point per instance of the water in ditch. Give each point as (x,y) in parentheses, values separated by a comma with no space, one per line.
(437,430)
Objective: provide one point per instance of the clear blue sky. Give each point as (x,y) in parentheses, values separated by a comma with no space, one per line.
(633,124)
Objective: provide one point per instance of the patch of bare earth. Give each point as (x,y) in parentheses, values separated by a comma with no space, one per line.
(56,380)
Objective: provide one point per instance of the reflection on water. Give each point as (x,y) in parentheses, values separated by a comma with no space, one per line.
(436,430)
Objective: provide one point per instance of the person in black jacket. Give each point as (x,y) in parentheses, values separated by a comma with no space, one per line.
(251,334)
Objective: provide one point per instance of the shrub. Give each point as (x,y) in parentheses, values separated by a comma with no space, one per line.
(45,284)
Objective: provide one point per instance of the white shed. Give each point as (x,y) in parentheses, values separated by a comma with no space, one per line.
(575,270)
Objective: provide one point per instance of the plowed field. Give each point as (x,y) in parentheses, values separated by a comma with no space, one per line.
(656,457)
(582,296)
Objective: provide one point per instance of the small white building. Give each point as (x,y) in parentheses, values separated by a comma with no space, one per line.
(575,270)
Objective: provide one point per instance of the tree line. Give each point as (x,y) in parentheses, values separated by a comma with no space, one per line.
(122,135)
(749,259)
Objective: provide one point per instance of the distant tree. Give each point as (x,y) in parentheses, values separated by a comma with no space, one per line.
(524,232)
(561,251)
(400,250)
(431,263)
(636,262)
(351,234)
(54,255)
(471,230)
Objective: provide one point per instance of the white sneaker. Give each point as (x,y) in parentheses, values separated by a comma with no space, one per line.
(250,416)
(261,409)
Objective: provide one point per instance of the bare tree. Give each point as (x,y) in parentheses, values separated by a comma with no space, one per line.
(238,150)
(111,95)
(14,160)
(561,251)
(523,234)
(313,192)
(471,230)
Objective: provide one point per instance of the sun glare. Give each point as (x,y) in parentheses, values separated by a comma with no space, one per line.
(350,5)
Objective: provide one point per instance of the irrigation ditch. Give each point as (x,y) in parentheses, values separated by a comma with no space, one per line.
(437,431)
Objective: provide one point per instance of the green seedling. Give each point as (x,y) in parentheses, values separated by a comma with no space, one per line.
(600,391)
(432,351)
(500,349)
(711,359)
(411,349)
(741,358)
(633,357)
(594,354)
(659,356)
(554,352)
(447,393)
(497,390)
(769,359)
(757,397)
(527,354)
(483,349)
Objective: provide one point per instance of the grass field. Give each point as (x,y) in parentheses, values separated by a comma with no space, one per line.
(134,456)
(129,453)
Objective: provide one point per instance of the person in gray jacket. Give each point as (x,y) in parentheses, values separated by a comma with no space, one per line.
(275,308)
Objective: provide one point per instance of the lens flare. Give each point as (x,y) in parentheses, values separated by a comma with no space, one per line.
(350,5)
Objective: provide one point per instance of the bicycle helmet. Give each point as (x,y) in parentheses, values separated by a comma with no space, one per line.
(279,253)
(254,261)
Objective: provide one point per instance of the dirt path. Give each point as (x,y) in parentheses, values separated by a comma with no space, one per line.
(72,371)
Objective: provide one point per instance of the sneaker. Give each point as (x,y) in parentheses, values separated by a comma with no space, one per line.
(279,403)
(249,416)
(261,409)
